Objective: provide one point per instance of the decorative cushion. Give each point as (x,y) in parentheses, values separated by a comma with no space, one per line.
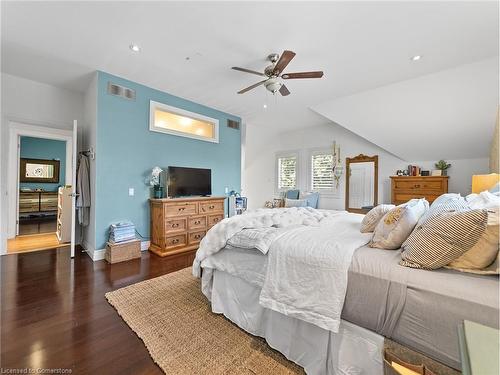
(372,218)
(311,198)
(450,202)
(485,251)
(443,238)
(255,238)
(397,224)
(295,203)
(495,189)
(292,194)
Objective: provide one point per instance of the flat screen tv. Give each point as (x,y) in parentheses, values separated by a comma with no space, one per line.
(183,182)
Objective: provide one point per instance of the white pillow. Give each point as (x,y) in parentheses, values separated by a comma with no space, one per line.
(483,200)
(372,218)
(295,203)
(396,225)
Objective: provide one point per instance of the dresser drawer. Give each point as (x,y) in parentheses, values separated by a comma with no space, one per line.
(197,222)
(174,241)
(28,207)
(211,206)
(214,219)
(195,237)
(418,185)
(175,225)
(181,209)
(400,198)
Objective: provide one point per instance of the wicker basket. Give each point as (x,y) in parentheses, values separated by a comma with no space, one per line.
(120,252)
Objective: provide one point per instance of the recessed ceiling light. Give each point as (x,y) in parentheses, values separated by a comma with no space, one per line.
(135,47)
(265,106)
(416,58)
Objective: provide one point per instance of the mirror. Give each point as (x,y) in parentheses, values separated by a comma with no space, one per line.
(39,170)
(361,193)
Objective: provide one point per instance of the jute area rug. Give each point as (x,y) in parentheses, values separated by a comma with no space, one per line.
(183,336)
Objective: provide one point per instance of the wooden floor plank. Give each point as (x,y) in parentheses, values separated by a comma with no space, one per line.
(54,313)
(33,242)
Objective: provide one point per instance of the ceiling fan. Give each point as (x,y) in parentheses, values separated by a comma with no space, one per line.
(274,72)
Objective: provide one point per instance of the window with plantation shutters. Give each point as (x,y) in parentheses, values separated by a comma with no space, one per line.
(321,171)
(287,172)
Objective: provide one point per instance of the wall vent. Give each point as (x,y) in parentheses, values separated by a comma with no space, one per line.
(121,91)
(233,124)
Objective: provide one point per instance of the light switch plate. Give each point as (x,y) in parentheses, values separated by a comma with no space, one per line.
(131,192)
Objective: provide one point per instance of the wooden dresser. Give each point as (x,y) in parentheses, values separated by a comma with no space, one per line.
(404,188)
(37,202)
(179,224)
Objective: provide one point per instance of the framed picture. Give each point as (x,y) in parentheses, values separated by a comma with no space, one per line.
(39,170)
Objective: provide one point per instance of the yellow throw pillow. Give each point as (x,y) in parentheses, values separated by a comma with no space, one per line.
(485,251)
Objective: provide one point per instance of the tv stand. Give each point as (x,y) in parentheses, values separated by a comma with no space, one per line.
(179,224)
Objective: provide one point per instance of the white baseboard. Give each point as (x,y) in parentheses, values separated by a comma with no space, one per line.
(145,245)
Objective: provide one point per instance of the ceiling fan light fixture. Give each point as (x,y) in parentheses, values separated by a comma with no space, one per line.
(273,85)
(134,47)
(416,58)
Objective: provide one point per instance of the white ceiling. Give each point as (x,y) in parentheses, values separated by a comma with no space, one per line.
(359,45)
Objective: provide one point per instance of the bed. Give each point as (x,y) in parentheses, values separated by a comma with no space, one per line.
(417,308)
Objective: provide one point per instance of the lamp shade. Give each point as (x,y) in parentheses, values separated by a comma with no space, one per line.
(482,182)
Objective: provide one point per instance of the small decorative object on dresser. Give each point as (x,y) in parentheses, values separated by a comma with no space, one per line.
(404,188)
(179,224)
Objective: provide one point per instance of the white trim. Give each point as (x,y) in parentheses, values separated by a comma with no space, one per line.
(182,112)
(16,130)
(333,192)
(286,154)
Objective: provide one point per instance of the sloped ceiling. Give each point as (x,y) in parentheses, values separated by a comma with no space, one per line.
(189,47)
(450,114)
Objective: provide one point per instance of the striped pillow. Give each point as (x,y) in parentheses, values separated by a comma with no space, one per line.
(372,218)
(450,202)
(443,238)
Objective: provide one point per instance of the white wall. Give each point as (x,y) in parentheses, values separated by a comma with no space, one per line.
(449,114)
(460,173)
(88,138)
(33,103)
(262,144)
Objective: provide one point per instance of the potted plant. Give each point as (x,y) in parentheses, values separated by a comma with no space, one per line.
(154,181)
(442,166)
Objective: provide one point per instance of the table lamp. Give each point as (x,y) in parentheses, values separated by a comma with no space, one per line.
(482,182)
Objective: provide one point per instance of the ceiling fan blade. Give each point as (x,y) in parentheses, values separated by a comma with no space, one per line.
(248,71)
(284,91)
(302,75)
(284,60)
(251,87)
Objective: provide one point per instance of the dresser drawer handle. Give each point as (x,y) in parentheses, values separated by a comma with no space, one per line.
(182,208)
(197,222)
(197,236)
(417,186)
(211,207)
(175,225)
(175,240)
(215,219)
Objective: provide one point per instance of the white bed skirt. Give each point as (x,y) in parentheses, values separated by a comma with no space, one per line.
(353,350)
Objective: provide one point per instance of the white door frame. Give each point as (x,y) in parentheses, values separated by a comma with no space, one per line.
(16,130)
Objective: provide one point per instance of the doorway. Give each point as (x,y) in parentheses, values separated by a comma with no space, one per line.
(41,171)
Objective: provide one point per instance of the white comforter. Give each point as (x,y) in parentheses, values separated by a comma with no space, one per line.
(307,265)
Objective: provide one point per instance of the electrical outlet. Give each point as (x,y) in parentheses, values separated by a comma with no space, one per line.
(131,192)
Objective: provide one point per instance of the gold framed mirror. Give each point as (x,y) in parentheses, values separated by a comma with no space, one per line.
(39,170)
(361,188)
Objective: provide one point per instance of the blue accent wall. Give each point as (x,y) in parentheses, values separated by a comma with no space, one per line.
(49,149)
(127,150)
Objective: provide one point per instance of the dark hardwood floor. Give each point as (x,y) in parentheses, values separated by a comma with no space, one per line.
(54,313)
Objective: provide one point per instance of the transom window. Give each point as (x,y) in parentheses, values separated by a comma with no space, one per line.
(176,121)
(321,171)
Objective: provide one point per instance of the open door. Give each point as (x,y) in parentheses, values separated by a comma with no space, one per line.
(73,187)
